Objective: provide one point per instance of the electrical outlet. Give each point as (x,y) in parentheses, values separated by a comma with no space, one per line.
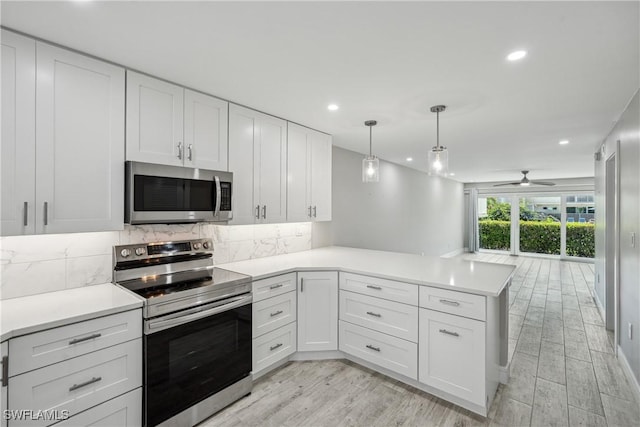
(633,239)
(598,277)
(630,331)
(298,231)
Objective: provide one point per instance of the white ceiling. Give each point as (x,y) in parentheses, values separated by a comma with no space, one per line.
(390,62)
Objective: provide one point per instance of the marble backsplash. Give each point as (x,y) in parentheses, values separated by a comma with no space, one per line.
(45,263)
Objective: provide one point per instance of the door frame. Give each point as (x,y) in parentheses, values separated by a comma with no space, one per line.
(612,245)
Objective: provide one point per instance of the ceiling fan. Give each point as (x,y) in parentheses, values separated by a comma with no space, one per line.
(526,182)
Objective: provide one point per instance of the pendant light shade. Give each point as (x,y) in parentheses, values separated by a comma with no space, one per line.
(370,164)
(438,156)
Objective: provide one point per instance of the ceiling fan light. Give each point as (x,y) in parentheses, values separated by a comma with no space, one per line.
(525,184)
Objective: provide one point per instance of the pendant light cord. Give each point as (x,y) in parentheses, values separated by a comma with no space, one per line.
(438,129)
(370,143)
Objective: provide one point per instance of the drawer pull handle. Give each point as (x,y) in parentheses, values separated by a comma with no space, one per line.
(371,313)
(444,331)
(373,348)
(279,285)
(276,313)
(453,303)
(90,337)
(377,288)
(84,384)
(275,346)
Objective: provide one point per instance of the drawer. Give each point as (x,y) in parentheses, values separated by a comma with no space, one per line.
(78,384)
(458,303)
(406,293)
(58,344)
(389,352)
(452,355)
(389,317)
(272,286)
(274,346)
(272,313)
(122,411)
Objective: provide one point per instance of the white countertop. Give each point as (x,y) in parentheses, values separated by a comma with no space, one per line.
(475,277)
(35,313)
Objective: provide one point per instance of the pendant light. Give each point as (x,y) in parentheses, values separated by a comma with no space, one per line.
(438,156)
(370,164)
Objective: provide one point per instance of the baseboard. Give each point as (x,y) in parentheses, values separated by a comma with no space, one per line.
(453,253)
(504,373)
(626,368)
(317,355)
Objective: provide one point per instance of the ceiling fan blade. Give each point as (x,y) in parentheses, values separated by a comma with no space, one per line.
(505,184)
(543,183)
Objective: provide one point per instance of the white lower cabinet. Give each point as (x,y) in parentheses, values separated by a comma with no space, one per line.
(389,352)
(274,346)
(122,411)
(272,313)
(4,353)
(452,355)
(317,311)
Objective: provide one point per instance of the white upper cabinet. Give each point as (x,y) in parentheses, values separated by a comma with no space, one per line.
(69,121)
(309,175)
(258,160)
(18,134)
(170,125)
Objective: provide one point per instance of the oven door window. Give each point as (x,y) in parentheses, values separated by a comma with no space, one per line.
(163,194)
(190,362)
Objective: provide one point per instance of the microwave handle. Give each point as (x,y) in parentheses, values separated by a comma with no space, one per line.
(218,196)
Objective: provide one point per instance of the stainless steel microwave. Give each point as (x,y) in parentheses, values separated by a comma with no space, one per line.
(159,194)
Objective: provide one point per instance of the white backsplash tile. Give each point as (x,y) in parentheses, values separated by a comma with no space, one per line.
(45,263)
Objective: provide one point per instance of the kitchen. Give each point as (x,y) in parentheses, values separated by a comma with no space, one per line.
(299,204)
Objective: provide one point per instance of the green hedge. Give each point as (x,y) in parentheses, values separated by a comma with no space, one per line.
(539,237)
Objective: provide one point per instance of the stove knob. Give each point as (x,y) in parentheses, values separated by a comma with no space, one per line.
(206,245)
(196,246)
(140,251)
(125,253)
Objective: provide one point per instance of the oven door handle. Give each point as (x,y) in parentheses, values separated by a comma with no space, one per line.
(218,196)
(157,325)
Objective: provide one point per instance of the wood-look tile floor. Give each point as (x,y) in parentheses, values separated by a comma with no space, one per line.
(563,370)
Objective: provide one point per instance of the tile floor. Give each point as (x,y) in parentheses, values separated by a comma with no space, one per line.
(563,370)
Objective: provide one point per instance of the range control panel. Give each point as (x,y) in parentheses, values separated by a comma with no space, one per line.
(143,251)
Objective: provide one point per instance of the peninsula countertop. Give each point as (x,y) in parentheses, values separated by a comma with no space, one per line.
(456,274)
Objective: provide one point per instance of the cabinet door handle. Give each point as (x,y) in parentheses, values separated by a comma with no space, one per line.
(87,338)
(302,284)
(315,211)
(189,151)
(84,384)
(371,313)
(377,288)
(273,347)
(264,212)
(444,331)
(25,214)
(180,150)
(309,211)
(276,313)
(279,285)
(447,302)
(258,212)
(46,213)
(369,346)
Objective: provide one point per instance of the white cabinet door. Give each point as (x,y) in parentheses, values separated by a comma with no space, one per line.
(321,176)
(79,142)
(271,164)
(154,120)
(123,411)
(242,128)
(205,131)
(17,206)
(258,160)
(452,355)
(298,174)
(4,352)
(318,311)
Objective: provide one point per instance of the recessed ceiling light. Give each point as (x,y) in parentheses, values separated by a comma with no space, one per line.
(564,142)
(452,174)
(332,107)
(518,54)
(409,159)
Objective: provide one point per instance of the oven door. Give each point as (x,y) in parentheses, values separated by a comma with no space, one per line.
(188,362)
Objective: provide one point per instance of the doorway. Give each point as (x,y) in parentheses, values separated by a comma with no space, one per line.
(611,244)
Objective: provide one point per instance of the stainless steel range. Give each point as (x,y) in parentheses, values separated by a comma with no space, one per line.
(197,329)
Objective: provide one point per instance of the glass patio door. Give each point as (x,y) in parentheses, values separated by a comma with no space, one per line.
(494,223)
(540,225)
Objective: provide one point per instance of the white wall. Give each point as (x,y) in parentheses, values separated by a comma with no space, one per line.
(626,133)
(46,263)
(407,211)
